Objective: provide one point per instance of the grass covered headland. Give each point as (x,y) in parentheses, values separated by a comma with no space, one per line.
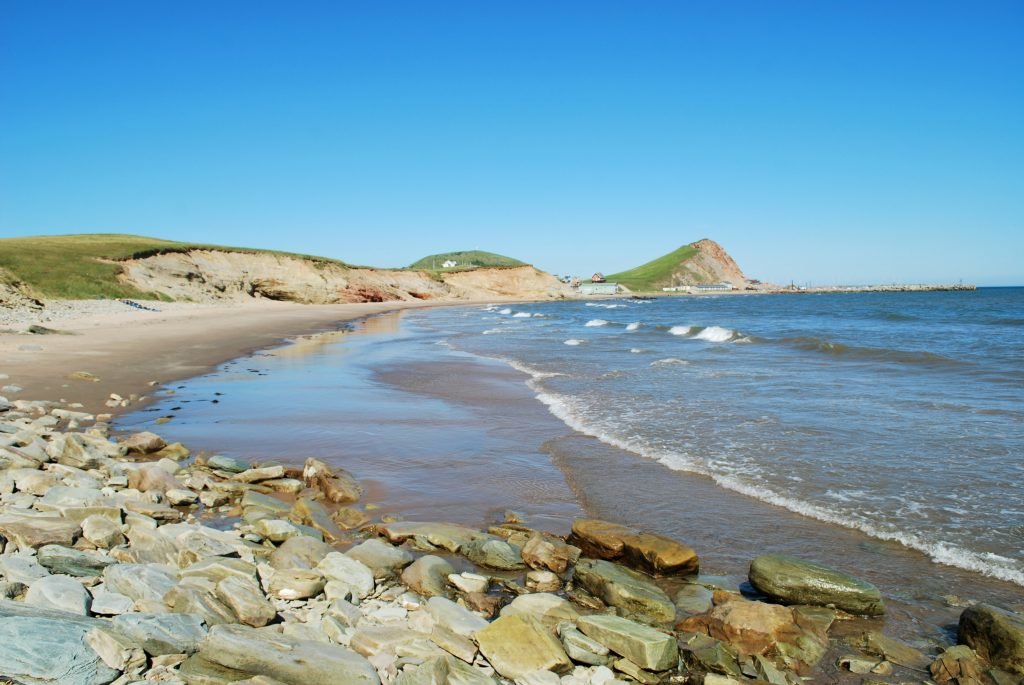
(85,266)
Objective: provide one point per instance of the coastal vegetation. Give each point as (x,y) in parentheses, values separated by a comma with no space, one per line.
(86,266)
(655,273)
(465,259)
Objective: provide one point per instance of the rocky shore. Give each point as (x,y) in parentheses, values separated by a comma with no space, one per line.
(126,559)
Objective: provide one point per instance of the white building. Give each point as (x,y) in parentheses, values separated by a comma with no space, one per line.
(449,263)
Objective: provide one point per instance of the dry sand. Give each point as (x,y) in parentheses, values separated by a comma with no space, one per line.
(127,349)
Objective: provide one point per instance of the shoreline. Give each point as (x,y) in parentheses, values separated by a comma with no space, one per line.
(144,579)
(126,351)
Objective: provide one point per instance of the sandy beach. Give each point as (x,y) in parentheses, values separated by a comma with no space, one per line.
(128,348)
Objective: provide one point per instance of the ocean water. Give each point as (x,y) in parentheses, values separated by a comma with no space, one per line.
(878,433)
(900,415)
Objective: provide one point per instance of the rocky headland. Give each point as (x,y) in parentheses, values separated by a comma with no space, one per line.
(127,559)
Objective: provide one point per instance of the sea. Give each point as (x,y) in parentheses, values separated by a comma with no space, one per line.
(880,433)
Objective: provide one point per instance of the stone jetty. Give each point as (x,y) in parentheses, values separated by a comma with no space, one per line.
(127,560)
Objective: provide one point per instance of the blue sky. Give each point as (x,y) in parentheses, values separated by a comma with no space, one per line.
(821,142)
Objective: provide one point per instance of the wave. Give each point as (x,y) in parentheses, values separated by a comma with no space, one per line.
(602,305)
(492,331)
(715,334)
(573,342)
(522,315)
(940,551)
(633,326)
(858,353)
(707,333)
(593,323)
(506,310)
(670,361)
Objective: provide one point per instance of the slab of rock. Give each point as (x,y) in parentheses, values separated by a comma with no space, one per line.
(427,575)
(337,485)
(260,474)
(551,610)
(162,633)
(296,584)
(443,669)
(221,462)
(448,536)
(144,443)
(544,552)
(21,568)
(795,581)
(107,603)
(196,670)
(893,650)
(311,513)
(496,554)
(184,599)
(581,648)
(453,617)
(289,660)
(693,599)
(301,552)
(246,600)
(140,582)
(30,532)
(40,647)
(59,593)
(646,647)
(216,569)
(958,665)
(102,531)
(277,530)
(347,571)
(632,592)
(648,552)
(382,558)
(995,634)
(518,644)
(73,562)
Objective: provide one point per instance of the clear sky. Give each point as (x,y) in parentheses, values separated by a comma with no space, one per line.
(821,142)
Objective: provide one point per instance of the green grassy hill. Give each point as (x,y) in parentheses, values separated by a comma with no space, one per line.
(654,274)
(84,266)
(469,259)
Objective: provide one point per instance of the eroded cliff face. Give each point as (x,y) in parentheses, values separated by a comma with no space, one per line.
(711,264)
(14,293)
(211,275)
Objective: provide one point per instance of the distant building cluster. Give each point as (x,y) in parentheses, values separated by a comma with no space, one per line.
(449,263)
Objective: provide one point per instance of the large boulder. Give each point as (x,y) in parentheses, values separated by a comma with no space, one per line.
(995,634)
(382,558)
(60,593)
(73,562)
(632,592)
(40,647)
(518,644)
(299,552)
(428,575)
(644,646)
(648,552)
(794,581)
(496,554)
(286,659)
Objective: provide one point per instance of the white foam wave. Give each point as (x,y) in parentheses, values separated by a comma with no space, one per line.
(635,350)
(633,326)
(669,362)
(603,305)
(492,331)
(573,342)
(715,334)
(529,370)
(594,323)
(942,552)
(680,330)
(506,310)
(522,315)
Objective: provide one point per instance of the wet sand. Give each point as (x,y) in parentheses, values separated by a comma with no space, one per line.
(127,350)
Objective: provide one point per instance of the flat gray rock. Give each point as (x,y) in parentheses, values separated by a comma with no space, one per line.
(40,647)
(60,593)
(289,660)
(162,633)
(73,562)
(140,582)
